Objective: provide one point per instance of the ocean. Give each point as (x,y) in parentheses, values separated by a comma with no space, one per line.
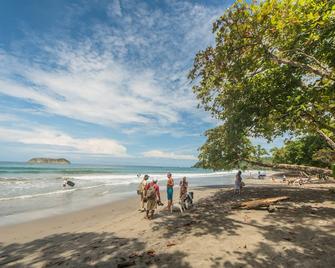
(31,191)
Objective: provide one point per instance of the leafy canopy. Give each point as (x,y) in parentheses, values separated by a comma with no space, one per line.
(271,71)
(304,151)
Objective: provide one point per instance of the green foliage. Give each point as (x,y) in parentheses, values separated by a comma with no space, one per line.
(225,148)
(271,71)
(302,151)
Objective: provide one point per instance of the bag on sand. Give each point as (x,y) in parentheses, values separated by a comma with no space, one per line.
(151,193)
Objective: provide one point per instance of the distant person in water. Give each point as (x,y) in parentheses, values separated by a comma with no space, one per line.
(64,182)
(169,191)
(141,189)
(238,182)
(183,188)
(152,195)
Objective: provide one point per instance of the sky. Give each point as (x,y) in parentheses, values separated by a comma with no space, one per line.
(103,81)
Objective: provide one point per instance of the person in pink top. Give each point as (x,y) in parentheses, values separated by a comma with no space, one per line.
(153,197)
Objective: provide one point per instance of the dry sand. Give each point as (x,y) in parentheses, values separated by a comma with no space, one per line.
(301,233)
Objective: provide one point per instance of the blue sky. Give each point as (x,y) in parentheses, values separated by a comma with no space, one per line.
(103,81)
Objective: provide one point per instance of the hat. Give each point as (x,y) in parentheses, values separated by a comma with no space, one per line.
(146,177)
(154,180)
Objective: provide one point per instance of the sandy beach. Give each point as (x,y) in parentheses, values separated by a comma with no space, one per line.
(299,233)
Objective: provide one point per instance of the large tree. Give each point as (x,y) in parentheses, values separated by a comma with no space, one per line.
(270,71)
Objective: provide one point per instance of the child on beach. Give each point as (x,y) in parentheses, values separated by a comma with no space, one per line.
(183,188)
(238,182)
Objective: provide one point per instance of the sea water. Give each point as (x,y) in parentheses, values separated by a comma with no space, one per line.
(30,191)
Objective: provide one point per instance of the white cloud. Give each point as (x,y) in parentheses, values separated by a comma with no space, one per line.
(132,75)
(8,117)
(63,141)
(114,8)
(169,155)
(102,94)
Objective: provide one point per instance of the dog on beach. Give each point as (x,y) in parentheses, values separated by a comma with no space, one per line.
(185,202)
(177,207)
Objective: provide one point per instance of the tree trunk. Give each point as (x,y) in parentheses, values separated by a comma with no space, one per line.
(262,202)
(330,142)
(318,126)
(307,169)
(317,123)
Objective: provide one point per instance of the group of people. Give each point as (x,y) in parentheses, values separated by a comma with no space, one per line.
(150,194)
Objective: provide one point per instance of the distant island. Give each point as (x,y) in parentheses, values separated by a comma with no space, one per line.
(41,160)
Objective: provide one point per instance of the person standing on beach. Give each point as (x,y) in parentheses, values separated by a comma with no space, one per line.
(238,182)
(140,191)
(152,195)
(183,188)
(169,191)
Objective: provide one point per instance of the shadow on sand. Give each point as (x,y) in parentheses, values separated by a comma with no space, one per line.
(304,224)
(86,250)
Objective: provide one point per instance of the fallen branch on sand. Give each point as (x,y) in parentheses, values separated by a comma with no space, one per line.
(263,202)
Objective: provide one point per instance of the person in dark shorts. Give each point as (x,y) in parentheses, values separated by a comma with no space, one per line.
(169,191)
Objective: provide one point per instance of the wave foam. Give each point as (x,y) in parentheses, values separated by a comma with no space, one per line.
(132,178)
(37,195)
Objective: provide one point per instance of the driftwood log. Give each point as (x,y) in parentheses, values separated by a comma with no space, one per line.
(262,202)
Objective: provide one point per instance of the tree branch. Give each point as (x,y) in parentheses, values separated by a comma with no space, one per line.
(321,73)
(330,142)
(307,169)
(310,57)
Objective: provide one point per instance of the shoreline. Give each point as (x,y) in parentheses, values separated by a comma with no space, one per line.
(58,222)
(42,205)
(118,199)
(213,233)
(29,198)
